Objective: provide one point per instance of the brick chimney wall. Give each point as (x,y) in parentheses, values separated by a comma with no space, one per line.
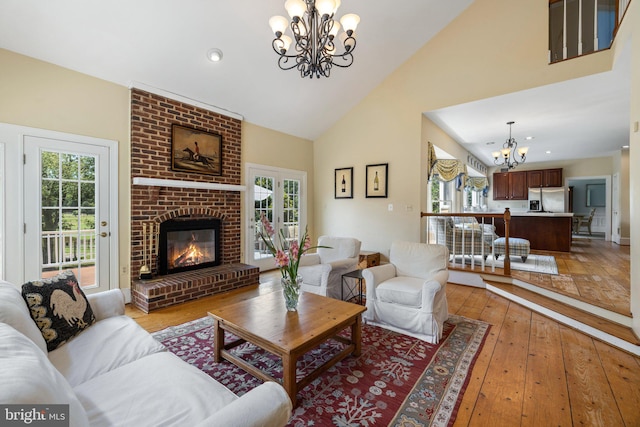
(151,119)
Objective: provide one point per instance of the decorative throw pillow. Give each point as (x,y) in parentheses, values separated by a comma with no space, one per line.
(59,308)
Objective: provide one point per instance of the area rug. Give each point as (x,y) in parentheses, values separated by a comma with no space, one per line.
(545,264)
(396,381)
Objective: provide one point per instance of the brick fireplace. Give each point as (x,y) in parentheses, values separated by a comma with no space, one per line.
(151,119)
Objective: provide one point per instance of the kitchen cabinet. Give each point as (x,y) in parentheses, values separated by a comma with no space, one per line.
(544,178)
(510,186)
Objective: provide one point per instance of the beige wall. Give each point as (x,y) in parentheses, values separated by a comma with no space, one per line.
(633,13)
(37,94)
(491,49)
(268,147)
(469,60)
(42,95)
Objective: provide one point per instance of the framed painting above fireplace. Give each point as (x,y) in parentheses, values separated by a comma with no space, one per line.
(194,150)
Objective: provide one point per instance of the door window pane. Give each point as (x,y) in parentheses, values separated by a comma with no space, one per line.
(68,232)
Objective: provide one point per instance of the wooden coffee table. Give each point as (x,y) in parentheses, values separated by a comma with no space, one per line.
(265,322)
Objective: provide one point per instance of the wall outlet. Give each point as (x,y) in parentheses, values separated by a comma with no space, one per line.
(390,207)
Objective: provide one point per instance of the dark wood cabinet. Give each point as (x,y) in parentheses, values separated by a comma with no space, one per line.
(501,186)
(510,186)
(534,179)
(515,185)
(552,178)
(544,178)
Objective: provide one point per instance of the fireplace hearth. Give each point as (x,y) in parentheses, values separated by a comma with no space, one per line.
(186,244)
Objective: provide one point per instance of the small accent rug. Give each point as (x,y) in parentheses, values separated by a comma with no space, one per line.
(397,380)
(545,264)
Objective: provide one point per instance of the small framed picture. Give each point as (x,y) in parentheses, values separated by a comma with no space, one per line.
(194,150)
(377,176)
(344,183)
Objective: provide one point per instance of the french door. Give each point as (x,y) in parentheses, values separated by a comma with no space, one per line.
(67,213)
(279,195)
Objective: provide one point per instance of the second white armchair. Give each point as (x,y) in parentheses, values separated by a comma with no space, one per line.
(322,271)
(408,294)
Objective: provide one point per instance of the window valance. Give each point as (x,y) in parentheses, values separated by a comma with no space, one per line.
(448,169)
(477,183)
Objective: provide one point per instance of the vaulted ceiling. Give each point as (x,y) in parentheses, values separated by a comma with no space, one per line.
(163,44)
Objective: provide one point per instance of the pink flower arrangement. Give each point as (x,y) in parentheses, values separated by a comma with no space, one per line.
(288,254)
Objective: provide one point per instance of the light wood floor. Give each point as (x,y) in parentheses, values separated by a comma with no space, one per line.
(595,271)
(532,371)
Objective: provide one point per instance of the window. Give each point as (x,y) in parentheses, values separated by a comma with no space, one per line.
(442,196)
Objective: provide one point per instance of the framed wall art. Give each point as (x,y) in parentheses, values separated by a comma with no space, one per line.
(343,183)
(194,150)
(377,176)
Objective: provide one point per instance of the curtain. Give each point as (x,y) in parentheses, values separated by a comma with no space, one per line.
(477,183)
(431,158)
(449,169)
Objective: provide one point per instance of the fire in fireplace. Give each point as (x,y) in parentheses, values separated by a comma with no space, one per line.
(188,244)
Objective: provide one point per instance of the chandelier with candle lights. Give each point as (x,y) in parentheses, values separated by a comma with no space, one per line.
(314,47)
(510,155)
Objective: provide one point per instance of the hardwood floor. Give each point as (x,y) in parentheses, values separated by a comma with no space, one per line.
(532,371)
(595,271)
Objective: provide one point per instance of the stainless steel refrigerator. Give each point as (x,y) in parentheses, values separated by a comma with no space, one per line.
(547,199)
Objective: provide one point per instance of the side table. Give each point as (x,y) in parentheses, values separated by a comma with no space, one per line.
(357,275)
(368,259)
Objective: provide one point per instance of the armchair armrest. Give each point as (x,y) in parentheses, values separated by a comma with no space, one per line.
(373,276)
(431,286)
(107,304)
(309,259)
(344,265)
(266,405)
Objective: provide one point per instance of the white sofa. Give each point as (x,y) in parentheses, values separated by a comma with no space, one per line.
(408,295)
(322,271)
(115,374)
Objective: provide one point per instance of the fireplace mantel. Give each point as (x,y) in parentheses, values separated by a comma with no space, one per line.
(155,182)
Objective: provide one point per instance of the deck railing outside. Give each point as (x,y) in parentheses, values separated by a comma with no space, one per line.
(63,248)
(470,238)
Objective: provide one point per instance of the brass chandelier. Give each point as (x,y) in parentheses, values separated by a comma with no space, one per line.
(510,155)
(314,37)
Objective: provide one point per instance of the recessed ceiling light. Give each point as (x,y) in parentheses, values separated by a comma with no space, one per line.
(214,55)
(529,138)
(625,146)
(491,142)
(547,152)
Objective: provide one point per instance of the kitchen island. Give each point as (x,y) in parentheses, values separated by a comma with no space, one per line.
(545,231)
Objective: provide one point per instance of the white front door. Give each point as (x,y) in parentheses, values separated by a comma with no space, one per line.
(278,194)
(67,211)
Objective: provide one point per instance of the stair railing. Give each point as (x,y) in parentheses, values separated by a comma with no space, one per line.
(451,241)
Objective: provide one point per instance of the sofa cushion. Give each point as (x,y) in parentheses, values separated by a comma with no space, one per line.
(401,290)
(168,392)
(107,345)
(27,377)
(59,307)
(15,313)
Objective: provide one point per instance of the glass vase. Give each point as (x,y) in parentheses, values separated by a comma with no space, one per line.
(291,292)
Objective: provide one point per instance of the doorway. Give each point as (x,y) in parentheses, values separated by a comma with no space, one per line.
(280,196)
(70,205)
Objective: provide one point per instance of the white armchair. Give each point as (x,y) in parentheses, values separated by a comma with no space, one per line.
(408,295)
(322,271)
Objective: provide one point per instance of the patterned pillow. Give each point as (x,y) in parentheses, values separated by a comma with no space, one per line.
(59,308)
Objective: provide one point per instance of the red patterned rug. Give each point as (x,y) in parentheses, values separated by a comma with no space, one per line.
(397,381)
